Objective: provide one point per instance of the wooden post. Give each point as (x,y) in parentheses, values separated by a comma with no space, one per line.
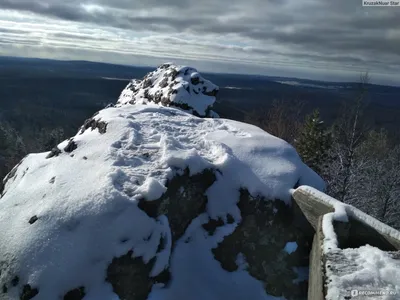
(316,275)
(311,206)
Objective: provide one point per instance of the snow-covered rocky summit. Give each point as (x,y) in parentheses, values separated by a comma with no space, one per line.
(152,202)
(172,85)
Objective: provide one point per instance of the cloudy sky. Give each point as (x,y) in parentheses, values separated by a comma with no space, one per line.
(323,39)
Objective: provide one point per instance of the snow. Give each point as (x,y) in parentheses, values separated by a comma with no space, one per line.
(236,88)
(290,247)
(162,261)
(342,213)
(366,269)
(203,278)
(86,201)
(320,86)
(302,274)
(363,269)
(180,85)
(151,189)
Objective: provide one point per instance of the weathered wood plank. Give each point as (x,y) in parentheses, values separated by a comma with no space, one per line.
(358,233)
(311,206)
(316,275)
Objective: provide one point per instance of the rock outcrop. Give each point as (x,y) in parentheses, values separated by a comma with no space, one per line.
(150,201)
(176,86)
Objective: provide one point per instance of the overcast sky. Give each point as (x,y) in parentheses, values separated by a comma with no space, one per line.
(323,39)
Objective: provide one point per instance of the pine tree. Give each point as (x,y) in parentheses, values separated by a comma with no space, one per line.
(314,143)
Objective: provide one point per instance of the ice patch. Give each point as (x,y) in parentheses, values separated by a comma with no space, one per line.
(290,247)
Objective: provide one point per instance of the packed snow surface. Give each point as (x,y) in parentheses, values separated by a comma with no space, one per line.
(86,201)
(363,270)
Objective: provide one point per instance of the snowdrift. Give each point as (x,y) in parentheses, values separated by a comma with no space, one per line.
(150,201)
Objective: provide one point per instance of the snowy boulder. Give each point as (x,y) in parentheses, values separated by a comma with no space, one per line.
(172,85)
(152,202)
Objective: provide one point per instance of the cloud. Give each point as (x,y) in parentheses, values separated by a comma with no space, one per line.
(308,34)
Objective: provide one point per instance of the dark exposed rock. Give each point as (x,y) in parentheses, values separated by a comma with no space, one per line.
(52,180)
(12,173)
(33,219)
(184,106)
(212,93)
(261,236)
(165,101)
(15,281)
(147,83)
(146,95)
(195,113)
(163,83)
(4,289)
(109,105)
(212,225)
(195,80)
(164,277)
(93,124)
(9,176)
(129,277)
(1,188)
(54,152)
(75,294)
(164,66)
(25,171)
(181,208)
(157,97)
(174,73)
(28,292)
(71,146)
(230,219)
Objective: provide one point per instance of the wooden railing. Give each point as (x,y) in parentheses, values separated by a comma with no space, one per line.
(352,234)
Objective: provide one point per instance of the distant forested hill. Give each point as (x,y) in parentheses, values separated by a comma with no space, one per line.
(355,148)
(45,96)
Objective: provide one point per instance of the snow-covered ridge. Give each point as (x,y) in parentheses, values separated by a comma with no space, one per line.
(172,85)
(66,214)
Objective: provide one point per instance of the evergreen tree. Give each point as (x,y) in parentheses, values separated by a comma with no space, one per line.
(12,148)
(314,142)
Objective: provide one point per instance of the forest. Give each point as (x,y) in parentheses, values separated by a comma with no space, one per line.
(359,161)
(351,141)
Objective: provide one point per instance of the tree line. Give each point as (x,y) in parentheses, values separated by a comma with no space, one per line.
(359,162)
(14,145)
